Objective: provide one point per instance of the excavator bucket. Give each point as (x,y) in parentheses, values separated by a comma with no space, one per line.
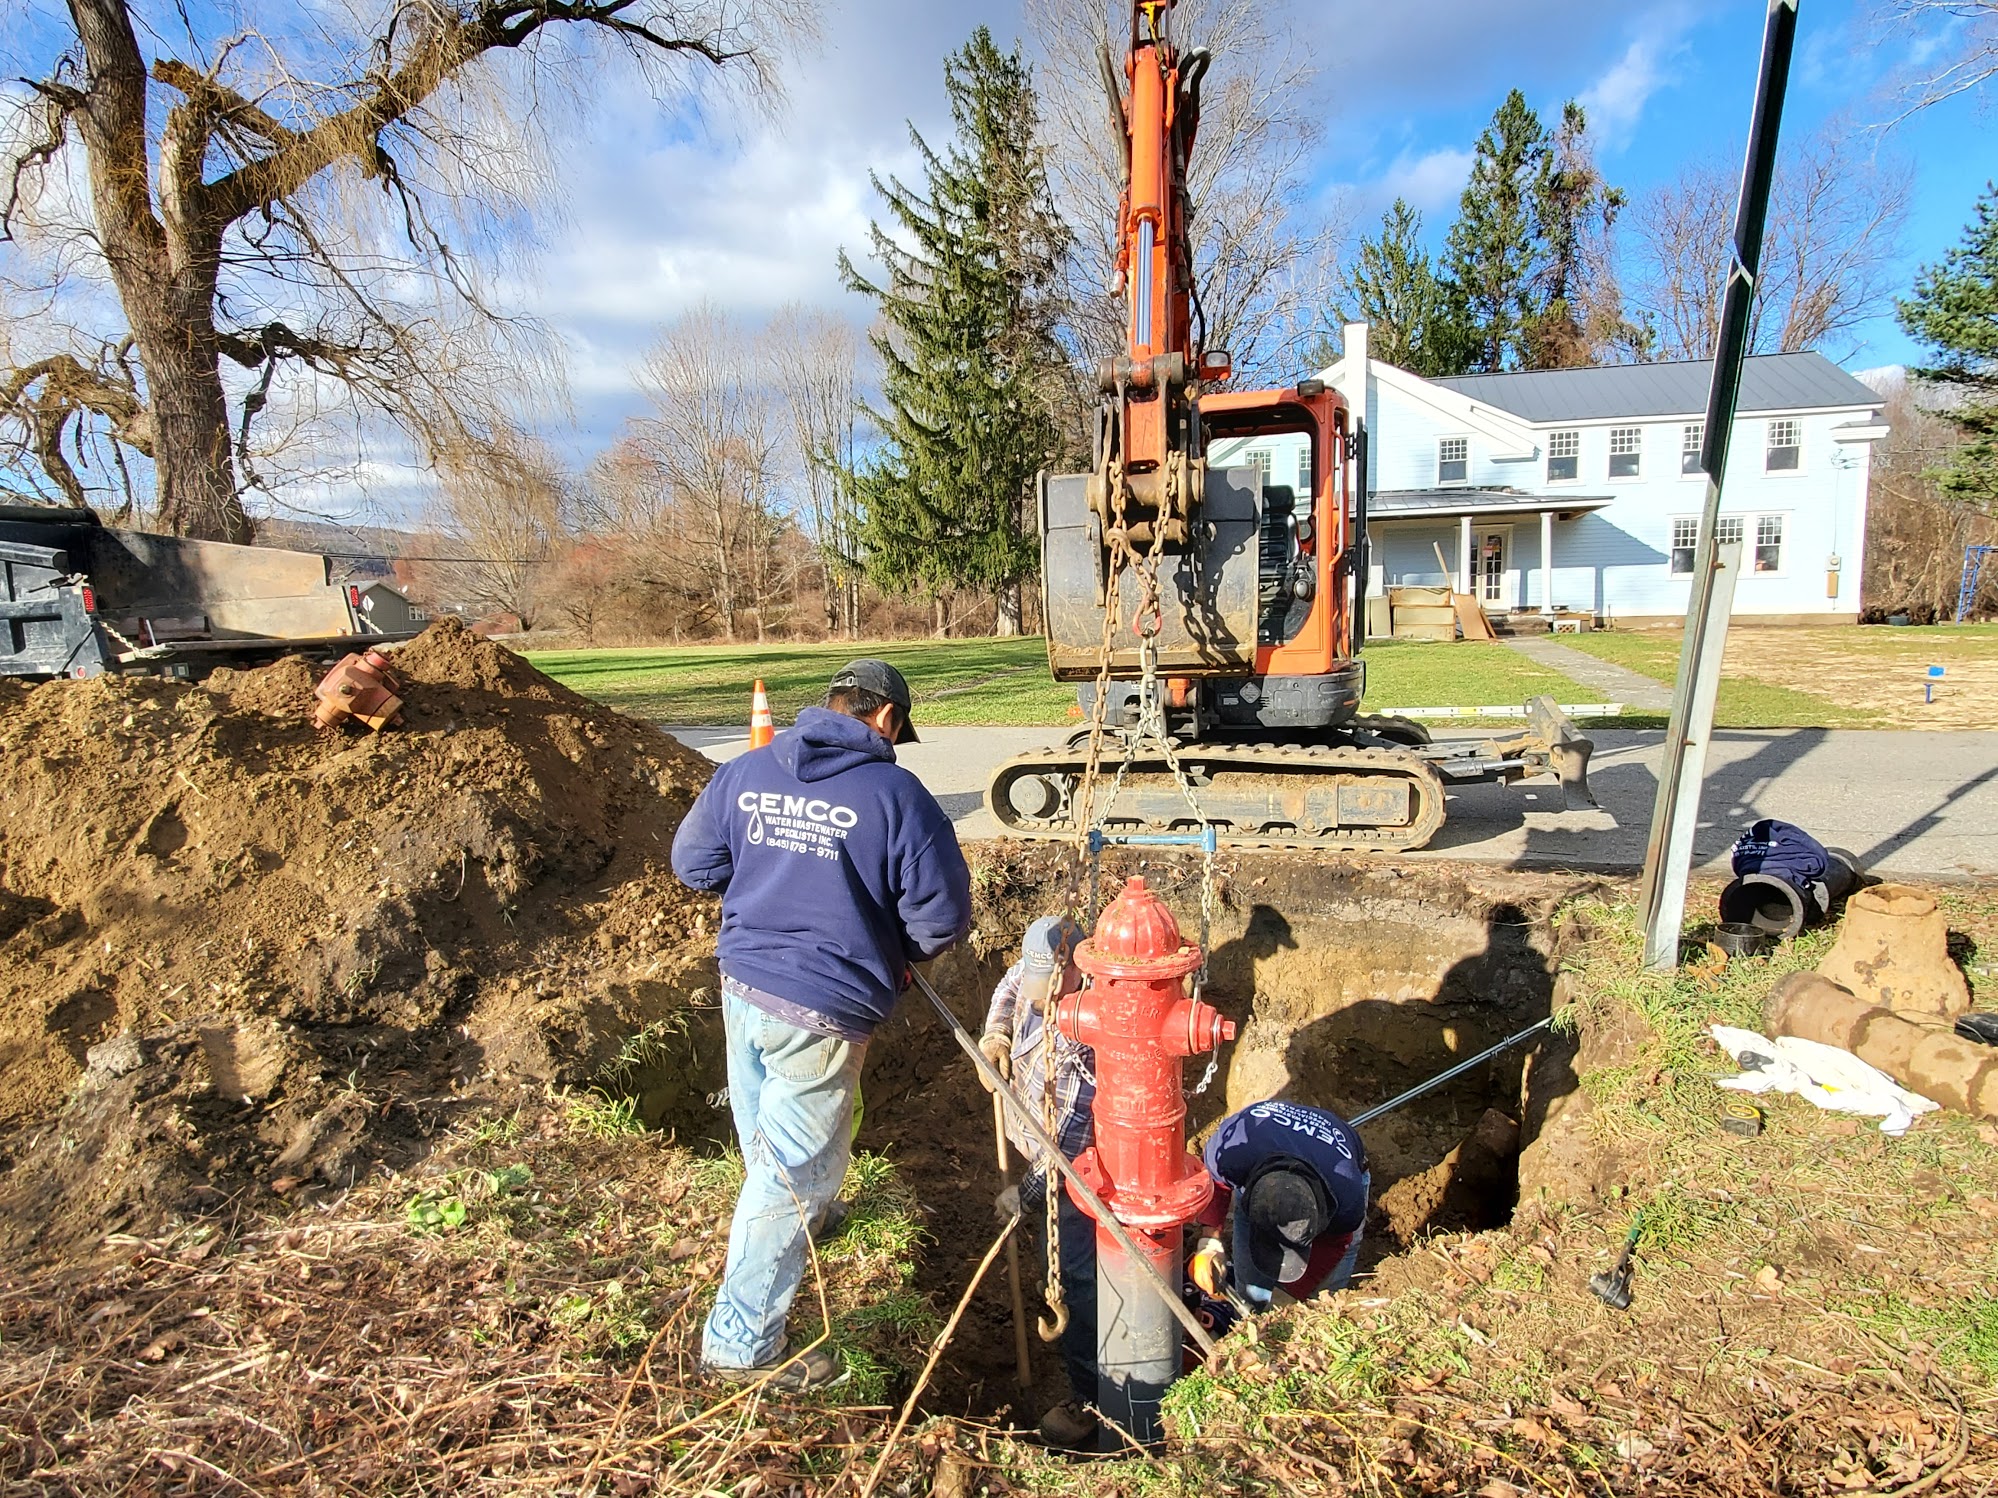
(1208,596)
(1567,751)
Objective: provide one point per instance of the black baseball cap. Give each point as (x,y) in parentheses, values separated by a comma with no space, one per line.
(883,680)
(1288,1210)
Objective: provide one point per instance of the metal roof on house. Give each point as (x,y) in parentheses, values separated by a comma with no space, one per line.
(1769,382)
(1409,504)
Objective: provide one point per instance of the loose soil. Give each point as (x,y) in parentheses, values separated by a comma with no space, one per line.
(245,959)
(268,992)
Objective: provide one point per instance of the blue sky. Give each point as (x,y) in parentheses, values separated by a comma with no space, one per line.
(753,219)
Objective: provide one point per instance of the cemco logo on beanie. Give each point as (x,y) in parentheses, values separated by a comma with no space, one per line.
(796,824)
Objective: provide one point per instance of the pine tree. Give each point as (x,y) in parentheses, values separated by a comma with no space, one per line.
(1394,289)
(1954,310)
(970,364)
(1492,255)
(1573,211)
(1523,270)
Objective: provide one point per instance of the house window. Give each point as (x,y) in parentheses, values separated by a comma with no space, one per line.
(1626,446)
(1564,454)
(1258,458)
(1785,443)
(1732,530)
(1692,437)
(1685,538)
(1769,543)
(1304,485)
(1453,460)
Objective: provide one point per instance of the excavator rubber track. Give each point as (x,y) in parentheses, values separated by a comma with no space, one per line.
(1339,798)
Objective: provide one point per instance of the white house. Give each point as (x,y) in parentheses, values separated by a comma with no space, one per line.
(1580,489)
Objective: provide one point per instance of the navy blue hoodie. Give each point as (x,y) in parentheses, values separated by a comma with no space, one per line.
(838,869)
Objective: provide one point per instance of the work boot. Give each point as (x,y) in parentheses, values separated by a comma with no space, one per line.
(797,1373)
(1070,1426)
(832,1221)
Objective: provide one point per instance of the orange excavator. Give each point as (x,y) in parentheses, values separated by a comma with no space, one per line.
(1215,618)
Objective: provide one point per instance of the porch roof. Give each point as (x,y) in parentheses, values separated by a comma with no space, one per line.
(1441,504)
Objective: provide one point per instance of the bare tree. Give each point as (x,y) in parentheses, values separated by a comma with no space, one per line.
(312,195)
(500,506)
(712,438)
(1965,60)
(1262,250)
(1915,531)
(816,357)
(1835,221)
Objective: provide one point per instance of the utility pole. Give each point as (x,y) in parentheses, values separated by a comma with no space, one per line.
(1668,854)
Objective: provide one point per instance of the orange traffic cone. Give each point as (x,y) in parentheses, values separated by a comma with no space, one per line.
(761,729)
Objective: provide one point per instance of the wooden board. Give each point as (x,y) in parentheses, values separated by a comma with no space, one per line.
(1417,596)
(1428,613)
(1472,618)
(1425,631)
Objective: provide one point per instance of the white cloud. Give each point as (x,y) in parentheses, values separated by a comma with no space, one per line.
(1615,101)
(1431,182)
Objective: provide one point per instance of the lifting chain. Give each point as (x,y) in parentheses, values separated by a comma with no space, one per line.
(1055,1322)
(1146,624)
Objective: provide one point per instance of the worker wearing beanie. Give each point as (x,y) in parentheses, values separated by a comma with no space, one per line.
(837,870)
(1014,1043)
(1295,1181)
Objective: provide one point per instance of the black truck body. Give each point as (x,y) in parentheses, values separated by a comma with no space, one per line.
(79,598)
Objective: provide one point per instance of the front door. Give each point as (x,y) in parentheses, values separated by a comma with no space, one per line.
(1495,589)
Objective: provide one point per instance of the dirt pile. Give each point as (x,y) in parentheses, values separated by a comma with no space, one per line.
(238,953)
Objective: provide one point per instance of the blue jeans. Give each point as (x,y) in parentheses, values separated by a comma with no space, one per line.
(1258,1288)
(792,1094)
(1078,1276)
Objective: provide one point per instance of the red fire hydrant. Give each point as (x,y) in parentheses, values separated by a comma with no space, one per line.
(1136,1016)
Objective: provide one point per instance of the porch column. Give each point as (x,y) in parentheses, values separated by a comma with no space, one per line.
(1547,564)
(1464,557)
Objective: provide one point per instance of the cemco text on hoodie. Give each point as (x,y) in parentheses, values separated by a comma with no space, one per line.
(796,824)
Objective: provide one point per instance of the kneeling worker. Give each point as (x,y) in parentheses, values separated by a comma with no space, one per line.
(1014,1043)
(1295,1181)
(837,870)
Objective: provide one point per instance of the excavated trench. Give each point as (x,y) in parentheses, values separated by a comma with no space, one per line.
(1350,982)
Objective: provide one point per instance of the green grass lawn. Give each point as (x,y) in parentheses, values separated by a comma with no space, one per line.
(1743,703)
(952,681)
(991,681)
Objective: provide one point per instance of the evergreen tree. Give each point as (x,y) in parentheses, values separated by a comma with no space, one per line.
(1573,211)
(1492,254)
(1518,267)
(1954,310)
(1394,289)
(970,363)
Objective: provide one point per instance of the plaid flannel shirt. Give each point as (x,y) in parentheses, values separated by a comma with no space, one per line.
(1075,1072)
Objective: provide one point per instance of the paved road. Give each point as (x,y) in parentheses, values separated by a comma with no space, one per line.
(1910,803)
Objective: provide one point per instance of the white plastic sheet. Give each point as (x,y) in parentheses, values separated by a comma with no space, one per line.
(1822,1075)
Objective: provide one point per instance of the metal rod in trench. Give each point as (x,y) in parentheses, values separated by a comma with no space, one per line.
(1456,1071)
(1103,1215)
(1023,1363)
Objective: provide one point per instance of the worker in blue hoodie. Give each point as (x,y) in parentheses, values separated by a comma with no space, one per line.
(837,870)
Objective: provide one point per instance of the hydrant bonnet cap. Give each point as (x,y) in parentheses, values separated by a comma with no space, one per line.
(1137,925)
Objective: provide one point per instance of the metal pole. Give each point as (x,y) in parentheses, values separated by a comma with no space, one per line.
(1675,815)
(1023,1363)
(1105,1218)
(1456,1071)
